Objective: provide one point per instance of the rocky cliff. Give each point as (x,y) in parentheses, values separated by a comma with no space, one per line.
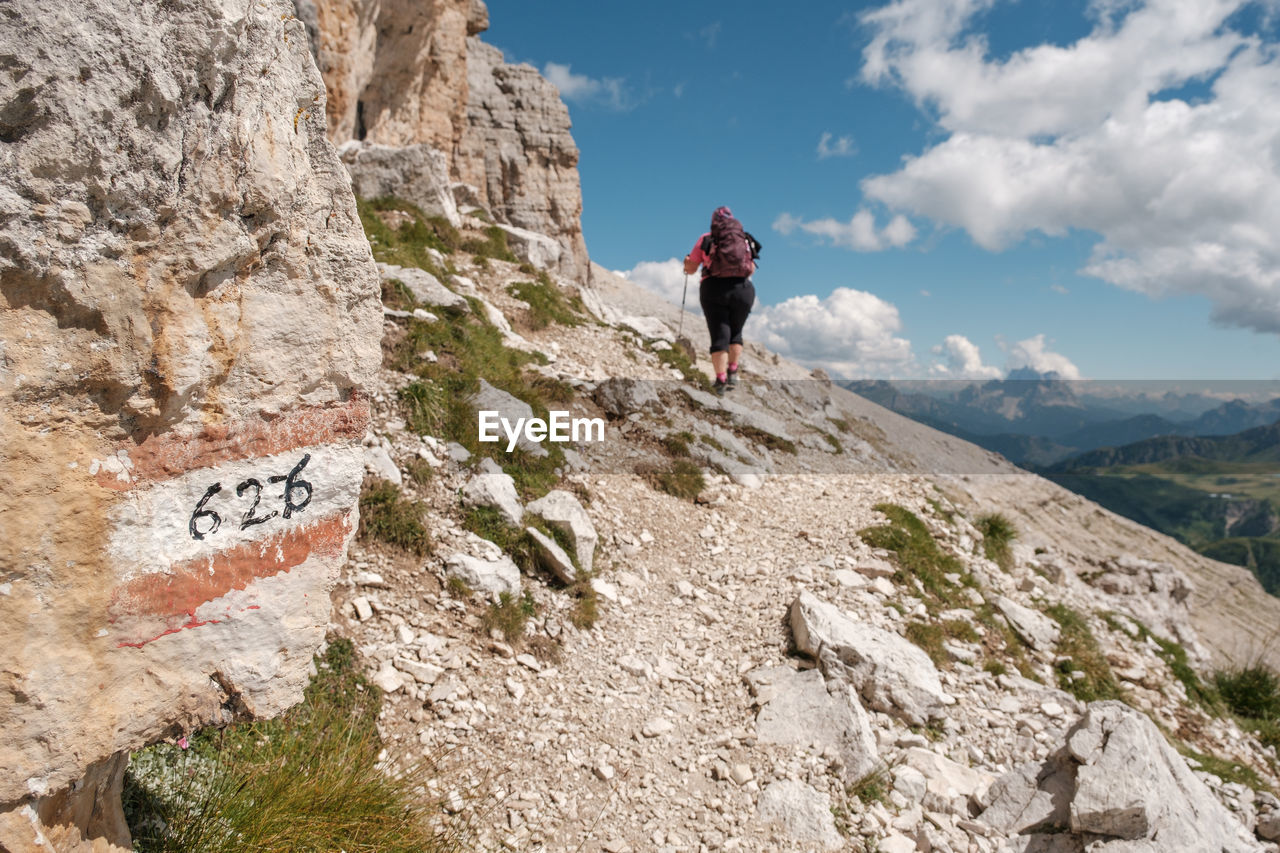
(401,75)
(188,310)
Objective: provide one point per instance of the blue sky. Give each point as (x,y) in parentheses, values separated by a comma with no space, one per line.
(944,187)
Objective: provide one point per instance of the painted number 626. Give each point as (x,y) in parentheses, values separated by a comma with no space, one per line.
(293,485)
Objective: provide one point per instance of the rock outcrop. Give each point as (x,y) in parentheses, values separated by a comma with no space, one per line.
(414,78)
(189,310)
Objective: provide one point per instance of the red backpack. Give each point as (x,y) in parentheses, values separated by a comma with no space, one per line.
(730,250)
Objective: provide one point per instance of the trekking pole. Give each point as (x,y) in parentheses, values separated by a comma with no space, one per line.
(679,333)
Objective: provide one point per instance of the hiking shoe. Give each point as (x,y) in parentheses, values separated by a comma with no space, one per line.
(719,386)
(733,379)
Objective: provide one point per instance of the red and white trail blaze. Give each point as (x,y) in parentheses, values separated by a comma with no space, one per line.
(200,520)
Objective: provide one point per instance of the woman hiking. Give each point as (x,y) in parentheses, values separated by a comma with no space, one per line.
(727,256)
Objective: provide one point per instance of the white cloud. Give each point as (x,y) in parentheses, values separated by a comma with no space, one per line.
(830,146)
(962,360)
(667,279)
(610,91)
(859,233)
(1184,195)
(850,333)
(1034,354)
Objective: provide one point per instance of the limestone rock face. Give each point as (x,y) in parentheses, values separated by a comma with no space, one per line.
(404,73)
(188,309)
(395,70)
(520,153)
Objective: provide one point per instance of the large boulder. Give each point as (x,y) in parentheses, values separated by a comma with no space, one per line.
(416,173)
(189,312)
(1131,784)
(803,709)
(1120,787)
(890,673)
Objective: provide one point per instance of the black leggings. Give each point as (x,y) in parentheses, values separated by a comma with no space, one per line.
(726,302)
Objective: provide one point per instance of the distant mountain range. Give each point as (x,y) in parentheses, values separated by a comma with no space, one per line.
(1204,471)
(1039,419)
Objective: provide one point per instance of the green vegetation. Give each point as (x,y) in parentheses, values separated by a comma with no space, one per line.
(1261,556)
(836,446)
(493,245)
(488,523)
(677,444)
(438,404)
(547,304)
(1002,644)
(997,532)
(509,616)
(309,780)
(385,516)
(682,478)
(675,357)
(1175,656)
(420,471)
(1250,691)
(931,635)
(408,245)
(918,556)
(874,787)
(1081,654)
(1227,771)
(458,588)
(767,439)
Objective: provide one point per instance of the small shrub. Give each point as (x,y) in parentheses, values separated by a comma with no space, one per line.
(834,442)
(420,471)
(1250,691)
(928,637)
(458,588)
(308,780)
(586,603)
(509,615)
(385,516)
(995,667)
(677,444)
(682,479)
(997,532)
(874,787)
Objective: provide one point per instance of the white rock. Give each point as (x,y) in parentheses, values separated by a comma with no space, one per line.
(553,556)
(423,673)
(497,490)
(378,462)
(364,611)
(802,812)
(489,576)
(890,673)
(1037,630)
(562,509)
(949,786)
(388,678)
(425,287)
(604,589)
(802,708)
(656,727)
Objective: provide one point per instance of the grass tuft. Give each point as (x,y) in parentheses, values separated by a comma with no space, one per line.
(675,357)
(997,532)
(547,303)
(1250,691)
(492,246)
(918,556)
(509,616)
(1081,653)
(682,479)
(385,516)
(308,780)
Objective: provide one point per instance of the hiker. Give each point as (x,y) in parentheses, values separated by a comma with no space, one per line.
(727,256)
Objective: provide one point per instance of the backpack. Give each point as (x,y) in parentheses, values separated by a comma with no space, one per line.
(730,251)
